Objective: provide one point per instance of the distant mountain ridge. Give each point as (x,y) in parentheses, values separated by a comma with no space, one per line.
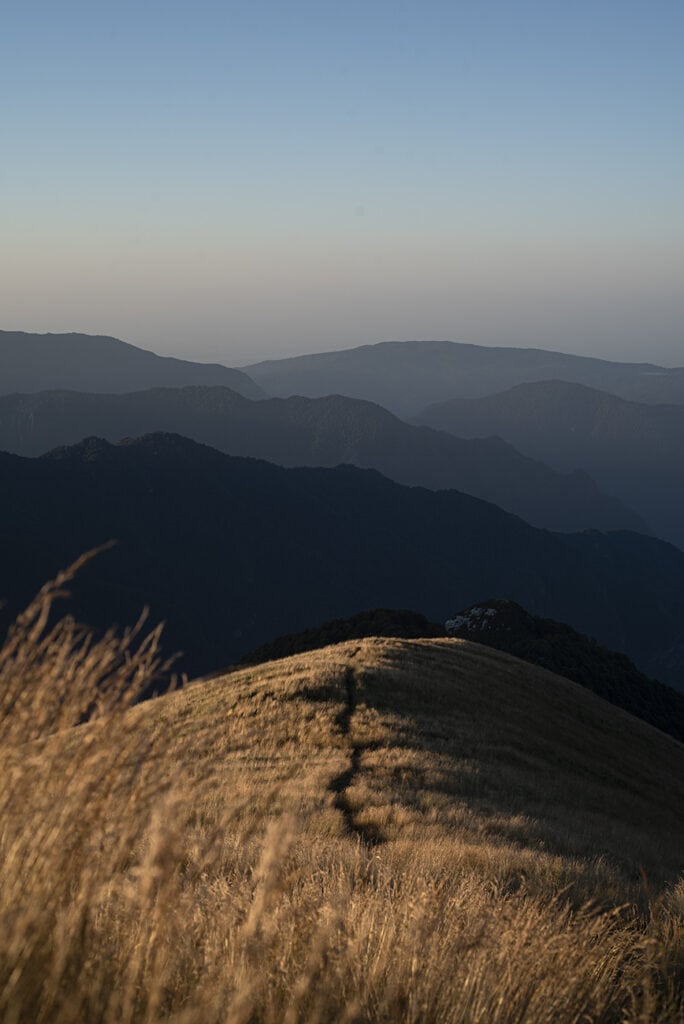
(407,376)
(319,432)
(633,449)
(84,362)
(232,552)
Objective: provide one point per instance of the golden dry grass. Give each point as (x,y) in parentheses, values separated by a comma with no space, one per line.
(382,831)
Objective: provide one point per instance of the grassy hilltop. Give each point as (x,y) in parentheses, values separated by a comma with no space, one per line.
(383,830)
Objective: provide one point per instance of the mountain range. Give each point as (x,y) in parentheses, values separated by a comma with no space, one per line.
(319,432)
(377,829)
(85,362)
(232,552)
(634,450)
(405,377)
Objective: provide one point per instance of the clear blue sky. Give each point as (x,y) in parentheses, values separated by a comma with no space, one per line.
(240,180)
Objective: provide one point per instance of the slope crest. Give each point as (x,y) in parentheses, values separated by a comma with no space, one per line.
(444,738)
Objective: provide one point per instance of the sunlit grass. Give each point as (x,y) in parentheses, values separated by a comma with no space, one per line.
(195,859)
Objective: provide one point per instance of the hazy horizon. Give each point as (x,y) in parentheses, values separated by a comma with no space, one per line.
(229,182)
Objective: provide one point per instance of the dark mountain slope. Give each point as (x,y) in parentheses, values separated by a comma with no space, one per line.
(407,376)
(232,552)
(387,622)
(633,449)
(319,432)
(84,362)
(506,626)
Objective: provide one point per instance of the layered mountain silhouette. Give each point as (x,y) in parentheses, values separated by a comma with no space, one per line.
(232,552)
(84,362)
(319,432)
(407,376)
(633,449)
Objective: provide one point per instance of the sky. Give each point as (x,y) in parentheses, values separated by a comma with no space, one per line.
(236,181)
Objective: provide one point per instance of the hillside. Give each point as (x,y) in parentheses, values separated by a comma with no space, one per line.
(199,541)
(84,362)
(509,738)
(633,449)
(381,831)
(506,626)
(408,376)
(319,432)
